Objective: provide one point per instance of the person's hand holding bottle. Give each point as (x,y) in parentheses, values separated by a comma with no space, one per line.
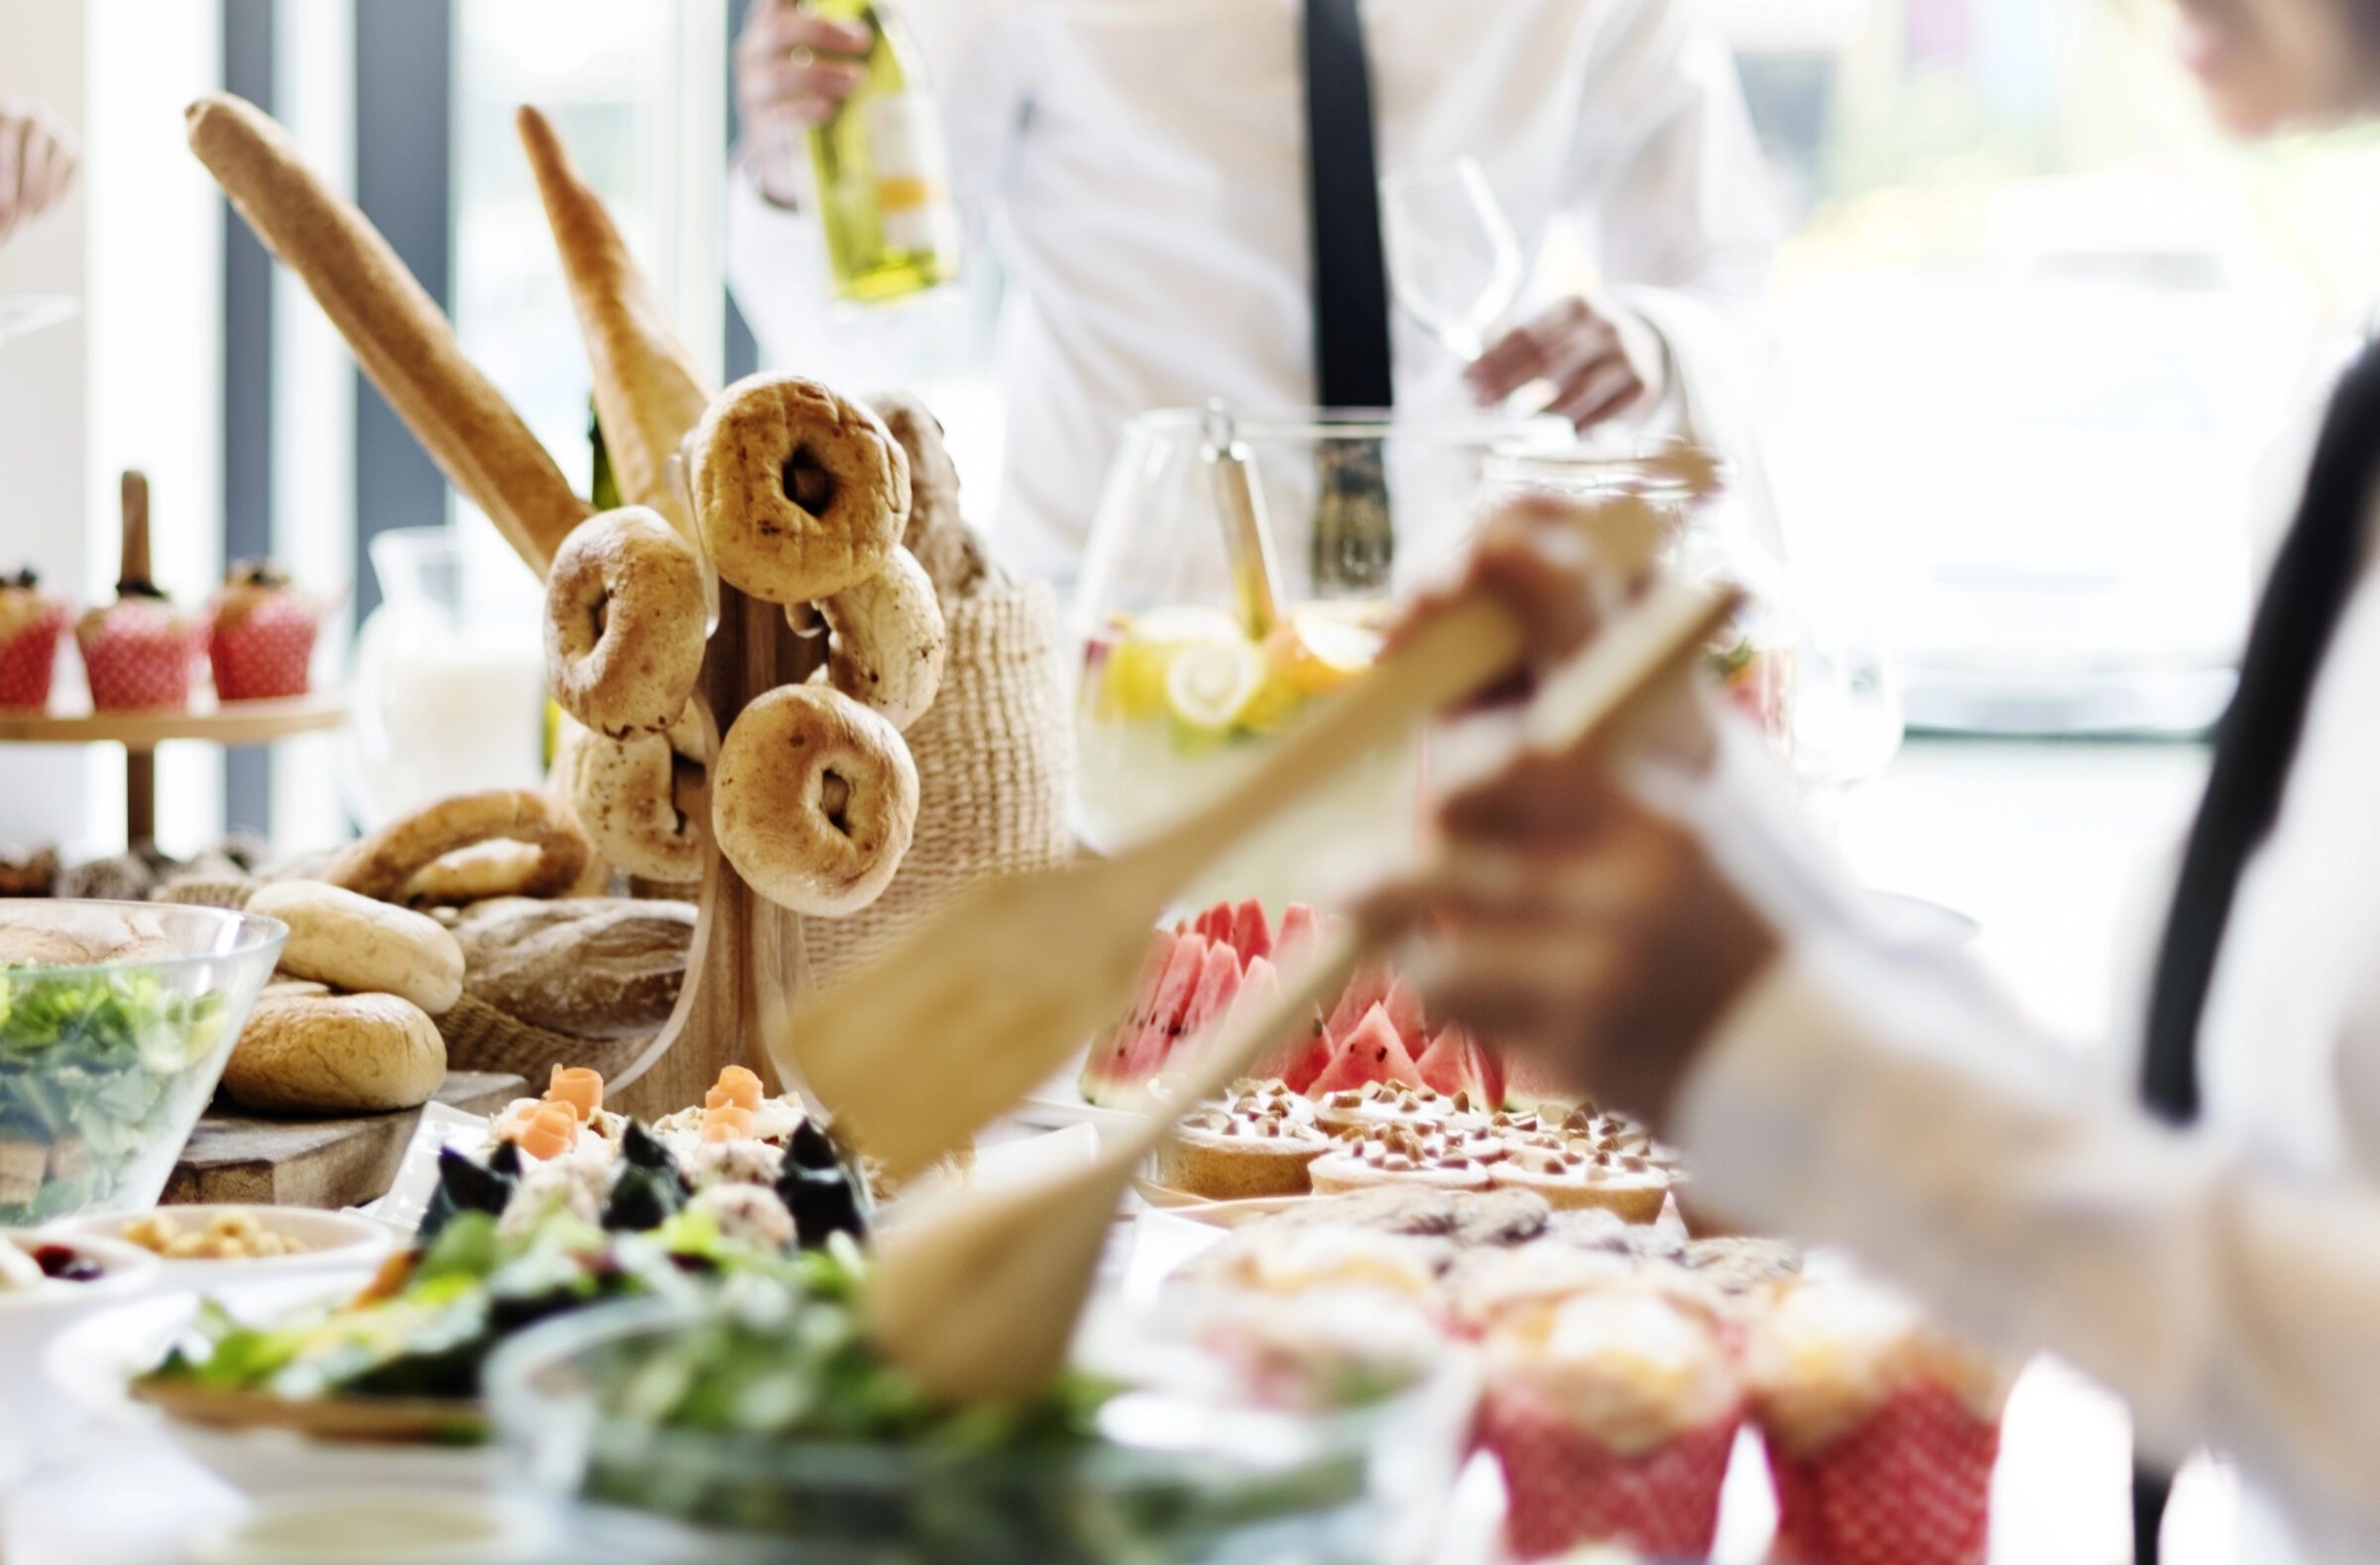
(36,165)
(793,70)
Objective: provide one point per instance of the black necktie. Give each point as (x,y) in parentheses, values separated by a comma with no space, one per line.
(2311,581)
(1343,193)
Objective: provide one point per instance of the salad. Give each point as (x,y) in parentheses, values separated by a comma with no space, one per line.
(101,1075)
(767,1426)
(423,1329)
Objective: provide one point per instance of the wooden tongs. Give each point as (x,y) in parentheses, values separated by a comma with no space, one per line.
(977,1292)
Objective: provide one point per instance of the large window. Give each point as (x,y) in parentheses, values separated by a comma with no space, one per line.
(2039,332)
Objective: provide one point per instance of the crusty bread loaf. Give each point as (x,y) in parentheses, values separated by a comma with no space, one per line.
(588,967)
(391,323)
(336,1054)
(351,941)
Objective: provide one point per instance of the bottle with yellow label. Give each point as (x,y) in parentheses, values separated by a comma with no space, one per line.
(882,177)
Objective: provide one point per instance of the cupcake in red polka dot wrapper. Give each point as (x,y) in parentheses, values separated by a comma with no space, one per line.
(30,626)
(261,635)
(1613,1416)
(141,653)
(1882,1434)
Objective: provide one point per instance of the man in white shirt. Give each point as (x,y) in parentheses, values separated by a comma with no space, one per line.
(1140,166)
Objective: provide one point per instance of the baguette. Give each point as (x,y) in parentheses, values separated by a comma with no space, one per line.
(648,393)
(393,326)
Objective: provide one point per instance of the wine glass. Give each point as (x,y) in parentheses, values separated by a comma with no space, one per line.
(1453,261)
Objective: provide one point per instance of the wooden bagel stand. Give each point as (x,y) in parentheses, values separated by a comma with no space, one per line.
(745,964)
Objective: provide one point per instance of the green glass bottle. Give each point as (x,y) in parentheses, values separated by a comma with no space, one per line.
(881,173)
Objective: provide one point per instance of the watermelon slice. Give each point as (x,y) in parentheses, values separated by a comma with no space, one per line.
(1456,1062)
(1301,929)
(1369,988)
(1103,1078)
(1298,1058)
(1217,986)
(1153,1042)
(1373,1051)
(1403,1005)
(1215,924)
(1252,937)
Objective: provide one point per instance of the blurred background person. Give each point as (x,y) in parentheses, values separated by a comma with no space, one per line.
(36,165)
(1662,928)
(1147,177)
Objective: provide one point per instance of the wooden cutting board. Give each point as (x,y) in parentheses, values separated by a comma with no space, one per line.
(332,1163)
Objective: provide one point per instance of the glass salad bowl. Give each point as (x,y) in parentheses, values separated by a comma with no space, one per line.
(115,1021)
(1172,1449)
(1184,684)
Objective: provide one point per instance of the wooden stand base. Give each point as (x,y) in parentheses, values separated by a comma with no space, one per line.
(746,966)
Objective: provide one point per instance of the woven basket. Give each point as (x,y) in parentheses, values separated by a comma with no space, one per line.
(480,1037)
(205,891)
(995,771)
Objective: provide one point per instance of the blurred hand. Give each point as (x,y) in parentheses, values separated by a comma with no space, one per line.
(1602,363)
(1563,917)
(36,164)
(793,72)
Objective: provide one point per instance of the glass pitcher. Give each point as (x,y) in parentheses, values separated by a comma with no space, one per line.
(1721,538)
(1183,687)
(450,690)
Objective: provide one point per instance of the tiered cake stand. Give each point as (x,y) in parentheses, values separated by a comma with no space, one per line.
(232,725)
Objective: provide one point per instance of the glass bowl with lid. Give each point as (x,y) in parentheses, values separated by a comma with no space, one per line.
(1185,680)
(115,1021)
(1192,1461)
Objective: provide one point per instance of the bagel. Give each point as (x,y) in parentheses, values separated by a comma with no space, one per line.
(638,799)
(624,623)
(336,1054)
(798,492)
(889,641)
(384,864)
(813,801)
(486,871)
(955,559)
(352,942)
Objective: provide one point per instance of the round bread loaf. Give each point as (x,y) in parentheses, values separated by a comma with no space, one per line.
(349,941)
(336,1054)
(592,967)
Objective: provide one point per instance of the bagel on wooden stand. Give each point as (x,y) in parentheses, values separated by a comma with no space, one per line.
(798,493)
(813,801)
(624,623)
(889,642)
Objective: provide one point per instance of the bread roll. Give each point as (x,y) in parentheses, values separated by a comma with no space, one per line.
(336,1054)
(350,941)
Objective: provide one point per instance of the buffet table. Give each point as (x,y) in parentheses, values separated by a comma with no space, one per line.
(1966,824)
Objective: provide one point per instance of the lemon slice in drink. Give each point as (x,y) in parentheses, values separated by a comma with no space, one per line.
(1317,651)
(1132,681)
(1211,683)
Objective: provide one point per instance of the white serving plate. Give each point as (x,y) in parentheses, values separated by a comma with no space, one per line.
(94,1360)
(334,1241)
